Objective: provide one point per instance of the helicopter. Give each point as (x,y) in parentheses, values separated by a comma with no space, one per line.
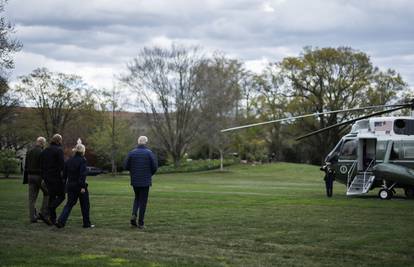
(378,152)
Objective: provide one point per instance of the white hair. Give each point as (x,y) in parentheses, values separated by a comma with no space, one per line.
(57,139)
(79,147)
(142,140)
(41,141)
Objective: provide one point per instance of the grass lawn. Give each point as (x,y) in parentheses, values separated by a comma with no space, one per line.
(247,216)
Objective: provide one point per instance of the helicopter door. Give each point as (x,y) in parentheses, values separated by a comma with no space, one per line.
(366,153)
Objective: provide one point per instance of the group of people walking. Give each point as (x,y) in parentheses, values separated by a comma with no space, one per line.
(47,171)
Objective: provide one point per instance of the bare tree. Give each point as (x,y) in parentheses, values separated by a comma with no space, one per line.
(56,96)
(166,83)
(112,104)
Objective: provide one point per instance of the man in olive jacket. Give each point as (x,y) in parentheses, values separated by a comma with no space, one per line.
(142,165)
(32,169)
(53,162)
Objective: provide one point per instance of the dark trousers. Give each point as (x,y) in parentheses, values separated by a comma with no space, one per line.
(329,187)
(73,196)
(140,202)
(56,197)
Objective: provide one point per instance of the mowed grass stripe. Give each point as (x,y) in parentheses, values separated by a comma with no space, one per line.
(247,216)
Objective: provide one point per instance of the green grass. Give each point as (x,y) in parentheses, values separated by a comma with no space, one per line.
(248,216)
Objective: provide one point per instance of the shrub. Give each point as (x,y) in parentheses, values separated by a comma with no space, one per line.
(195,166)
(8,162)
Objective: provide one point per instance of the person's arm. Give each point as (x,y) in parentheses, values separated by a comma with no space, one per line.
(127,163)
(61,160)
(61,164)
(42,164)
(65,173)
(153,162)
(82,175)
(25,174)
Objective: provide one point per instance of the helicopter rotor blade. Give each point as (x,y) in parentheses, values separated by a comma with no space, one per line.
(351,121)
(310,115)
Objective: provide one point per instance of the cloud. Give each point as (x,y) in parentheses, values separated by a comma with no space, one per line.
(105,34)
(97,75)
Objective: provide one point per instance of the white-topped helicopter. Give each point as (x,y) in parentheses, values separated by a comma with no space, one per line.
(378,152)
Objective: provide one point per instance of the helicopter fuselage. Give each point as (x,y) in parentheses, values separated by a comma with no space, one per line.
(383,140)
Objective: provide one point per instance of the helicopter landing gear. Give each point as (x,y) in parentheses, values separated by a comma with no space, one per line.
(385,194)
(409,192)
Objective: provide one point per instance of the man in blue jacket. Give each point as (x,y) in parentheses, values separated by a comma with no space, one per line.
(142,165)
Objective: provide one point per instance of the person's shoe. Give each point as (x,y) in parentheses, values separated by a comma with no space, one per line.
(141,227)
(133,223)
(50,221)
(43,218)
(89,226)
(59,225)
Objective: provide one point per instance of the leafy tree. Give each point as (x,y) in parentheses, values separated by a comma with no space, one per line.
(8,46)
(331,79)
(15,133)
(7,101)
(385,87)
(220,80)
(106,139)
(271,104)
(165,82)
(57,97)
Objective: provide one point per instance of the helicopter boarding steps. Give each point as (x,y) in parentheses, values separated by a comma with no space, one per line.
(360,184)
(362,181)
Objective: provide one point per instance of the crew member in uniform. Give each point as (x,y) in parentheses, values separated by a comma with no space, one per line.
(329,178)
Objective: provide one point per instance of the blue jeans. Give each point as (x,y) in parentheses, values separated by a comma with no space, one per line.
(140,202)
(73,196)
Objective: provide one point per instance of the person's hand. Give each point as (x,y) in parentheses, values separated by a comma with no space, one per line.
(82,190)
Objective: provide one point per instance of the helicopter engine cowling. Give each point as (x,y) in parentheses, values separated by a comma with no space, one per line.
(394,173)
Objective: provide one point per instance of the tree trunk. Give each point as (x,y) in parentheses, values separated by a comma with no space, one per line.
(177,161)
(221,160)
(113,164)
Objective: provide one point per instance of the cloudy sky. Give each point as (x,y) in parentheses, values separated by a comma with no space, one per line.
(96,38)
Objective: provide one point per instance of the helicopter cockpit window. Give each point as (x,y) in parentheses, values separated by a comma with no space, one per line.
(404,127)
(349,149)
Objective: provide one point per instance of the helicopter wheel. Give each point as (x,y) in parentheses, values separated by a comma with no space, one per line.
(409,193)
(385,194)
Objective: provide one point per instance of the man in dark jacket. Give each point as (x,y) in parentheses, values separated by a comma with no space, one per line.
(32,170)
(141,164)
(75,172)
(329,179)
(52,162)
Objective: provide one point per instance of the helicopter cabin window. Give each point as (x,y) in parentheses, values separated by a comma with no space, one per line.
(395,151)
(349,149)
(404,127)
(408,149)
(381,149)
